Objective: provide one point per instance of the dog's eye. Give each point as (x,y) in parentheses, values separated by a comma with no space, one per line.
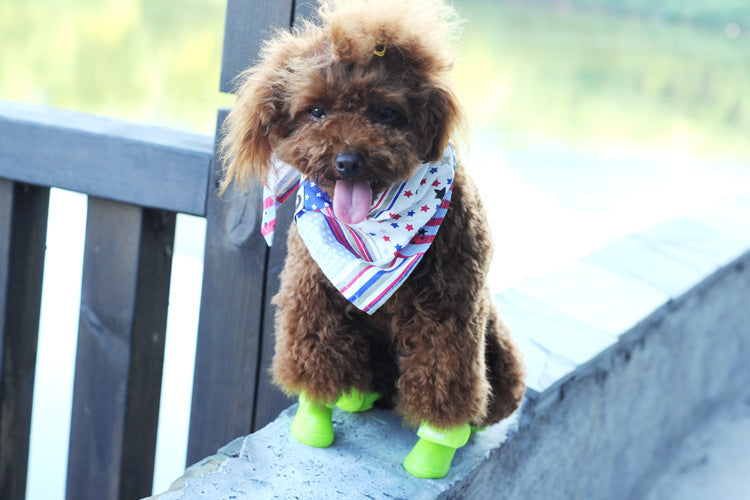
(317,113)
(386,115)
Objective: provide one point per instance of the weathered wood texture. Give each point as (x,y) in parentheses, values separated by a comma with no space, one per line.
(124,298)
(247,25)
(232,394)
(103,157)
(269,400)
(230,319)
(137,178)
(23,231)
(234,398)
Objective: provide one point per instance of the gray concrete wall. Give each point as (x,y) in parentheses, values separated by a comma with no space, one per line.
(608,429)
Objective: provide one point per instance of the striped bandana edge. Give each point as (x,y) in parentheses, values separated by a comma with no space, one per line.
(368,261)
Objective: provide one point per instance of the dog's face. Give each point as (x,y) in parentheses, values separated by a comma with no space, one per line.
(355,105)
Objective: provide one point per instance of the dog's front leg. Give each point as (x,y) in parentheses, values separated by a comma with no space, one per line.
(320,350)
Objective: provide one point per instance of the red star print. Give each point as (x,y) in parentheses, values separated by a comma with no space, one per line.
(425,208)
(409,227)
(387,238)
(424,181)
(394,216)
(436,183)
(408,194)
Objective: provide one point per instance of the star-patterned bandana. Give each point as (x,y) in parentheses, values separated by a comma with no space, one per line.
(367,261)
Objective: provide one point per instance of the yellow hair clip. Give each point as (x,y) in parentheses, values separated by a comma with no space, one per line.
(380,49)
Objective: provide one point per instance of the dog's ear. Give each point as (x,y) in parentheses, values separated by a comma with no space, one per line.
(248,129)
(438,116)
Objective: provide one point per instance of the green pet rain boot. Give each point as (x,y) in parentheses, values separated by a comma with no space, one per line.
(313,425)
(431,457)
(355,401)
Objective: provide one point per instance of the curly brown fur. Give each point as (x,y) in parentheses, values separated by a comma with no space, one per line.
(436,349)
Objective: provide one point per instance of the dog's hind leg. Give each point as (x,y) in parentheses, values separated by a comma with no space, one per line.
(505,370)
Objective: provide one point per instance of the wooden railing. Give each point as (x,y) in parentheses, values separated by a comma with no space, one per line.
(137,179)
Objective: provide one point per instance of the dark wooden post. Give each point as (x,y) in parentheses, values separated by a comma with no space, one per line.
(124,298)
(269,400)
(231,302)
(23,233)
(234,301)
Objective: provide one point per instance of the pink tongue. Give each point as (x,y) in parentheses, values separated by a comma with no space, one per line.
(352,200)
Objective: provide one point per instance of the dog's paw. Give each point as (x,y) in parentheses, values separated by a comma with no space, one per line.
(354,400)
(313,424)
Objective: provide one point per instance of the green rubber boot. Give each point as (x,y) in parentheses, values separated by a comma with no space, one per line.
(355,400)
(431,457)
(312,425)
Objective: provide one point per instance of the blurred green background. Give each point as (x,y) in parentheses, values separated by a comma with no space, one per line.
(633,72)
(154,61)
(627,71)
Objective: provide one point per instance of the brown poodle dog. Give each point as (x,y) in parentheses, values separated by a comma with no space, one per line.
(361,106)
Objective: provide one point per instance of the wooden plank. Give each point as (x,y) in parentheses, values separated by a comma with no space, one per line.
(230,318)
(147,358)
(247,25)
(23,233)
(6,225)
(124,297)
(269,400)
(112,159)
(226,395)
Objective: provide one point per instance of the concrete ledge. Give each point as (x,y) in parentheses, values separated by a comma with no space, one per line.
(364,462)
(607,429)
(628,350)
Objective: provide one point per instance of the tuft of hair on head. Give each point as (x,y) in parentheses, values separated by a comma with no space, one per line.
(362,29)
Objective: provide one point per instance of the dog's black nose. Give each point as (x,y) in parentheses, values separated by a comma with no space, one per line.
(349,165)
